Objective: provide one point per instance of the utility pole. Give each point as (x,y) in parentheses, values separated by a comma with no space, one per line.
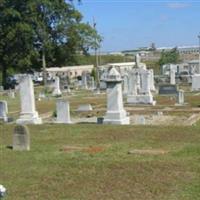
(96,58)
(199,53)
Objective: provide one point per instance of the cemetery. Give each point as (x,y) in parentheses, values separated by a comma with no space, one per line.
(86,145)
(77,123)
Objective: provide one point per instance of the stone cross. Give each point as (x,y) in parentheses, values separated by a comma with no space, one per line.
(3,111)
(63,111)
(56,91)
(28,114)
(115,110)
(21,138)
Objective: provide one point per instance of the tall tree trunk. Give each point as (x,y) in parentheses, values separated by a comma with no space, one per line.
(44,68)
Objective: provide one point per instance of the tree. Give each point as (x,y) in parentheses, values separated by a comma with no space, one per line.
(41,31)
(171,56)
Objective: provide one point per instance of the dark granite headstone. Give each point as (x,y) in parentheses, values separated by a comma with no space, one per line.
(21,138)
(168,89)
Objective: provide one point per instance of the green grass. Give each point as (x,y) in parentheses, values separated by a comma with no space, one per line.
(102,168)
(48,172)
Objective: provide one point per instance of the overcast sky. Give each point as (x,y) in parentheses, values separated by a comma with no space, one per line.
(128,24)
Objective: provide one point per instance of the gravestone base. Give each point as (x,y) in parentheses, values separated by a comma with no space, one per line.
(4,119)
(29,118)
(181,104)
(56,93)
(84,108)
(63,122)
(141,99)
(113,117)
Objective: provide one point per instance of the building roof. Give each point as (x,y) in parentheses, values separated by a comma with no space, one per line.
(69,68)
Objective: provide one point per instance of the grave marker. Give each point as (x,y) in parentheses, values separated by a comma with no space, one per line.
(21,138)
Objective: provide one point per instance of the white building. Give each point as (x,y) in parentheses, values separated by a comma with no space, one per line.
(71,71)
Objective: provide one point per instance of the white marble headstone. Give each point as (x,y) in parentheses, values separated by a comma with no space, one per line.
(63,111)
(3,111)
(115,110)
(28,114)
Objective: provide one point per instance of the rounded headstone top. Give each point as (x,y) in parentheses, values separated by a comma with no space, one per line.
(21,130)
(113,76)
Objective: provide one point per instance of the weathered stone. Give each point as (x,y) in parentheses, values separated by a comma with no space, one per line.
(180,97)
(63,111)
(172,77)
(196,82)
(11,94)
(28,114)
(1,88)
(140,87)
(84,108)
(168,89)
(21,138)
(56,91)
(140,120)
(3,111)
(84,81)
(125,84)
(152,84)
(115,110)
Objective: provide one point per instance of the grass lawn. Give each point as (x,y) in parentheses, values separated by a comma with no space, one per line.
(91,162)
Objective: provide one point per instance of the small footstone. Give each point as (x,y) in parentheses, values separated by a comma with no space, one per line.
(21,138)
(84,108)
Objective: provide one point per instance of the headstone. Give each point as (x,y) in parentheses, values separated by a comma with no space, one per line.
(92,83)
(137,60)
(133,83)
(196,82)
(172,77)
(140,120)
(100,120)
(115,110)
(1,88)
(11,94)
(63,111)
(84,108)
(56,91)
(152,84)
(168,89)
(84,81)
(41,95)
(180,97)
(28,114)
(125,85)
(21,138)
(159,113)
(3,111)
(141,88)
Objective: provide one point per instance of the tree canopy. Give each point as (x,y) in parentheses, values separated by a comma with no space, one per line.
(171,56)
(32,31)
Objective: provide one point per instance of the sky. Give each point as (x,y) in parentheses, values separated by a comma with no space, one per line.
(129,24)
